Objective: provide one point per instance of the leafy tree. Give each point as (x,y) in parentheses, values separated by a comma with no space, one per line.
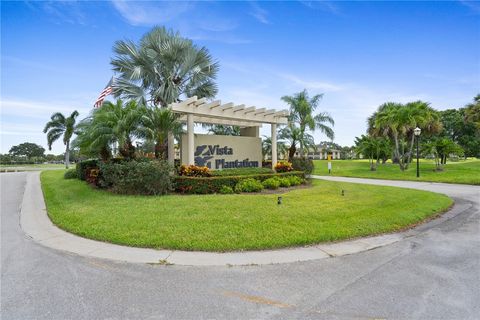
(28,150)
(397,122)
(60,125)
(302,117)
(460,128)
(374,148)
(440,149)
(472,111)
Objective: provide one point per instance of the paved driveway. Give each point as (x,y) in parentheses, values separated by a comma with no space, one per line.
(434,275)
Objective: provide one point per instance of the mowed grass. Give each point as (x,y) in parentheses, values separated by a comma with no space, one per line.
(26,167)
(239,221)
(465,172)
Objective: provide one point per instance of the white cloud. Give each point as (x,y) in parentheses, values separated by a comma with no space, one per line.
(309,84)
(151,12)
(40,110)
(259,13)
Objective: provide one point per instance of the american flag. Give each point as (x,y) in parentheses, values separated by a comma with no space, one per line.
(108,90)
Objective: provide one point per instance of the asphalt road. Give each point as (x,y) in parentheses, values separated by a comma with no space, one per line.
(434,275)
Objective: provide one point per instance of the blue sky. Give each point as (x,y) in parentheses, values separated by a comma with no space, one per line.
(55,56)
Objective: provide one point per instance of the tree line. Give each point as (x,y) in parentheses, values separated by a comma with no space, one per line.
(390,133)
(160,69)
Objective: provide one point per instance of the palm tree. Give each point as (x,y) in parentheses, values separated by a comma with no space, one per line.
(113,123)
(373,147)
(302,109)
(398,121)
(163,68)
(296,138)
(91,141)
(267,147)
(224,130)
(156,124)
(60,125)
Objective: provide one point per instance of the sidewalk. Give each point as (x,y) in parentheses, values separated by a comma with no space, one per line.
(36,224)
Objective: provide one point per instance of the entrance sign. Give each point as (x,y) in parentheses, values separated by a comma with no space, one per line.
(249,119)
(224,152)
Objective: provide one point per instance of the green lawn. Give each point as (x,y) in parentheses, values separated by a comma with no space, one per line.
(30,167)
(466,172)
(236,222)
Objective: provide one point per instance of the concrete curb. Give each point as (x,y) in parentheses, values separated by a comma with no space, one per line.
(36,224)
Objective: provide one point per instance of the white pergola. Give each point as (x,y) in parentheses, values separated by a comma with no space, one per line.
(200,110)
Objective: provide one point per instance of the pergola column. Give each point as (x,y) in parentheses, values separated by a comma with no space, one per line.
(274,144)
(171,148)
(190,142)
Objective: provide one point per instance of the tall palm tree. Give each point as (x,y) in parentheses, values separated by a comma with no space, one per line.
(155,125)
(60,125)
(302,109)
(163,68)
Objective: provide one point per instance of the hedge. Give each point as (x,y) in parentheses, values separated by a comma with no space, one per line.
(204,185)
(85,165)
(136,177)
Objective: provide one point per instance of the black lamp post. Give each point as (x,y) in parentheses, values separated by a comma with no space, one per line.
(417,132)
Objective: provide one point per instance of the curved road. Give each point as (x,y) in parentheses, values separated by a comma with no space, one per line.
(434,275)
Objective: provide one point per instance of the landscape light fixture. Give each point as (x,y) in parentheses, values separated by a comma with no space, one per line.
(417,132)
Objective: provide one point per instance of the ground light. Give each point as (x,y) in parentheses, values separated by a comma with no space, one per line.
(417,132)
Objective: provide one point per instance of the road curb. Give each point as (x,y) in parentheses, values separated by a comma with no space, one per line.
(37,225)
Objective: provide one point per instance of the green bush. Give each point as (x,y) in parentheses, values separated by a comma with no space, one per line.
(204,185)
(284,182)
(137,177)
(303,164)
(249,185)
(83,167)
(272,183)
(294,180)
(241,171)
(225,190)
(70,174)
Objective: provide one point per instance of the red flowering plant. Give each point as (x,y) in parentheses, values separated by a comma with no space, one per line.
(194,171)
(283,166)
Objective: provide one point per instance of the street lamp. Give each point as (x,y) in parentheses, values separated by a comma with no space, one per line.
(417,132)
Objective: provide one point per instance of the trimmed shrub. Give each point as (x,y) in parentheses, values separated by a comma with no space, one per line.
(249,185)
(84,166)
(203,185)
(294,180)
(225,190)
(272,183)
(194,171)
(241,171)
(283,166)
(303,164)
(70,174)
(285,182)
(137,177)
